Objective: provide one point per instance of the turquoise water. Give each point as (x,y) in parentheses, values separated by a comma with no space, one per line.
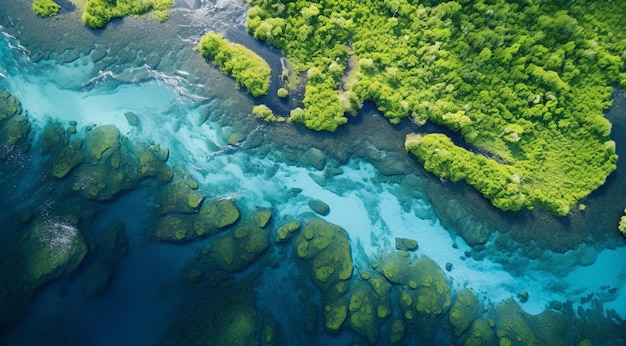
(148,298)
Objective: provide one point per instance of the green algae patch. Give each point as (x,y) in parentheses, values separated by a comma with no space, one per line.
(397,331)
(45,8)
(53,248)
(262,217)
(524,85)
(464,311)
(245,66)
(284,232)
(335,315)
(97,13)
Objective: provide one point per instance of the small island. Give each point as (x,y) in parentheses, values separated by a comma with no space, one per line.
(524,85)
(237,61)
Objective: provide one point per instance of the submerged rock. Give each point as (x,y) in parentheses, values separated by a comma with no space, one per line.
(315,158)
(406,244)
(101,143)
(481,333)
(132,119)
(424,292)
(325,250)
(319,207)
(464,311)
(262,216)
(214,216)
(174,228)
(53,248)
(64,160)
(178,197)
(513,325)
(235,250)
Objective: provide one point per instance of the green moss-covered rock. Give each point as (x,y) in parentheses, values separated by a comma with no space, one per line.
(178,197)
(464,311)
(97,182)
(53,138)
(214,216)
(9,105)
(396,331)
(262,216)
(368,306)
(424,292)
(285,231)
(174,228)
(53,248)
(64,160)
(101,143)
(236,249)
(513,325)
(328,249)
(335,315)
(406,244)
(481,333)
(14,130)
(151,161)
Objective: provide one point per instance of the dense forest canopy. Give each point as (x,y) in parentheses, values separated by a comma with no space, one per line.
(525,81)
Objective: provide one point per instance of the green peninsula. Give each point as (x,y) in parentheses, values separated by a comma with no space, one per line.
(523,83)
(245,66)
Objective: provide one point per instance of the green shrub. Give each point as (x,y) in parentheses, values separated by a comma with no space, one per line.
(282,93)
(44,8)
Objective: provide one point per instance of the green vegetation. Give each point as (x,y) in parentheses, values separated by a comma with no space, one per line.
(44,8)
(264,112)
(97,13)
(622,224)
(523,83)
(282,93)
(246,67)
